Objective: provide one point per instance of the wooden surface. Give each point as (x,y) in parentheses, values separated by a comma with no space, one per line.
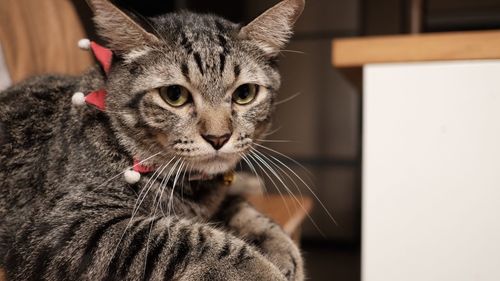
(40,37)
(356,52)
(287,211)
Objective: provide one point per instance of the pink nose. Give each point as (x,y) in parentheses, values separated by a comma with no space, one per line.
(217,142)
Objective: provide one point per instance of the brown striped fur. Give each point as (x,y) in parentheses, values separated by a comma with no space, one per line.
(65,211)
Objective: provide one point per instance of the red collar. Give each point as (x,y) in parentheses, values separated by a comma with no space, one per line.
(138,167)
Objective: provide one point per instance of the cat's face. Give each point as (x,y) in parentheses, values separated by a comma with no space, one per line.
(200,90)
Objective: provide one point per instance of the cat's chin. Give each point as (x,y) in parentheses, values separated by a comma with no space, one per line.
(215,165)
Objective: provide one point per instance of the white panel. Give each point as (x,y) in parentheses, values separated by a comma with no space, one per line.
(431,180)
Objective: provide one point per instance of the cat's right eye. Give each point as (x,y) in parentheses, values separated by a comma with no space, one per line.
(175,95)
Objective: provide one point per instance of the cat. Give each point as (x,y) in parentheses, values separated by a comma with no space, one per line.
(185,93)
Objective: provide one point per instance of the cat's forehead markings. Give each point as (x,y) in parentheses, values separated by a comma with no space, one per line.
(199,62)
(185,71)
(237,71)
(222,58)
(186,43)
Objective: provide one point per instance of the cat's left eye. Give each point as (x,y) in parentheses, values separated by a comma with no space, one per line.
(175,95)
(245,94)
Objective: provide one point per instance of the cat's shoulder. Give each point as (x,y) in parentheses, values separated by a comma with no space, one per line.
(38,93)
(37,97)
(43,84)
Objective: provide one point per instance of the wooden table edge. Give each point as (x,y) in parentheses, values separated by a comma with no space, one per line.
(352,53)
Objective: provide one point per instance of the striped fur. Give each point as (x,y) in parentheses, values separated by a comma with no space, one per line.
(66,213)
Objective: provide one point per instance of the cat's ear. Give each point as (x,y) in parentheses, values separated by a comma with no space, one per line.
(121,32)
(272,30)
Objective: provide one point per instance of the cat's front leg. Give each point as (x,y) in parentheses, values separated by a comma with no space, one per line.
(255,228)
(100,243)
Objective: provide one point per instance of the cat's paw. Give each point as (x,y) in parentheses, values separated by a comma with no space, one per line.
(282,252)
(260,268)
(245,264)
(269,239)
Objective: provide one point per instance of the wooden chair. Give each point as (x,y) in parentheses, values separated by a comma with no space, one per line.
(40,37)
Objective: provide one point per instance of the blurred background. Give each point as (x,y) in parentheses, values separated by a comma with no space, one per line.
(318,122)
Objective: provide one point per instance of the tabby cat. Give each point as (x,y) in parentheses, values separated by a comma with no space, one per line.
(186,93)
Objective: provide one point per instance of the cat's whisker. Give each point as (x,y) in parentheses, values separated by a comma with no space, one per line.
(287,157)
(308,187)
(240,167)
(134,211)
(117,112)
(170,198)
(290,192)
(139,163)
(144,192)
(174,185)
(288,99)
(164,185)
(263,155)
(251,166)
(279,168)
(167,180)
(272,181)
(293,51)
(272,132)
(171,208)
(183,180)
(273,171)
(274,141)
(287,189)
(149,185)
(121,173)
(156,202)
(269,168)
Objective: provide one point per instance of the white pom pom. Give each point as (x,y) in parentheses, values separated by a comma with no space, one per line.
(84,44)
(132,177)
(78,99)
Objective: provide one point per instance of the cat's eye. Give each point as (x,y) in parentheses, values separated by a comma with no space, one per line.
(245,94)
(175,95)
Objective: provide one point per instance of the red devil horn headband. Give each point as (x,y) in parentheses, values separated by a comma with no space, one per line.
(104,57)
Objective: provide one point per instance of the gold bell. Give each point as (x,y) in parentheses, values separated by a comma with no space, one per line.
(228,178)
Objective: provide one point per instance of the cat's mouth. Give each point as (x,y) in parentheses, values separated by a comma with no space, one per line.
(215,163)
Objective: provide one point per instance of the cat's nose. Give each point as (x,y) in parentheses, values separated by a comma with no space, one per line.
(217,141)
